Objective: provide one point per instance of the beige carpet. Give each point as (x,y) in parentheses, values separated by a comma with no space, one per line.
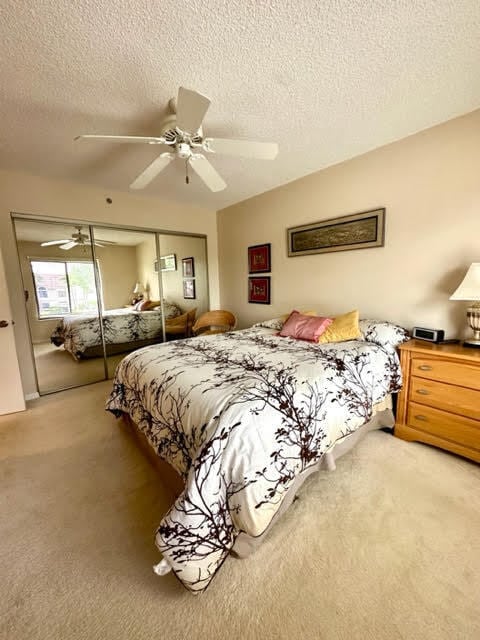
(57,369)
(386,547)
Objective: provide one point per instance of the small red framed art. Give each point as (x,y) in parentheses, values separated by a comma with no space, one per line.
(259,258)
(259,290)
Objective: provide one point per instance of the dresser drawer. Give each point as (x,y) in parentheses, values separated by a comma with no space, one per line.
(444,425)
(465,402)
(446,371)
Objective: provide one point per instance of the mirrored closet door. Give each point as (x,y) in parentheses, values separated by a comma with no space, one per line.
(94,293)
(131,303)
(61,303)
(184,281)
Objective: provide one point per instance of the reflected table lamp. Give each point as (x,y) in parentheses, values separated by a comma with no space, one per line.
(137,293)
(469,289)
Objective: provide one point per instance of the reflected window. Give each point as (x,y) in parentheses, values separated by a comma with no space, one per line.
(64,287)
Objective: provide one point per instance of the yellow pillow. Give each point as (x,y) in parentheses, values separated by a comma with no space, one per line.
(305,313)
(344,327)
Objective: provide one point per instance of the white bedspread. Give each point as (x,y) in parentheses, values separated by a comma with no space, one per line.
(239,416)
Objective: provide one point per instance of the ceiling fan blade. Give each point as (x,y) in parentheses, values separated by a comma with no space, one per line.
(105,241)
(48,244)
(98,244)
(207,173)
(152,171)
(134,139)
(191,109)
(243,148)
(69,245)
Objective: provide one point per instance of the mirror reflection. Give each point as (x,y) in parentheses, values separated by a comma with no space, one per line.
(132,317)
(184,281)
(74,275)
(59,285)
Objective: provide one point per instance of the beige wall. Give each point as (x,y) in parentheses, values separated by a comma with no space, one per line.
(23,193)
(147,276)
(118,271)
(430,186)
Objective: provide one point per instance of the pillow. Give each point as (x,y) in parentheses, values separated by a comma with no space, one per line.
(344,327)
(277,323)
(303,327)
(384,333)
(274,323)
(143,305)
(305,313)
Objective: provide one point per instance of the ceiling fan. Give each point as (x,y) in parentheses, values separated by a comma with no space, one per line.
(182,132)
(77,239)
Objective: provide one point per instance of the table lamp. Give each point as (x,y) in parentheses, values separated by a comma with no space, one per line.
(469,289)
(137,293)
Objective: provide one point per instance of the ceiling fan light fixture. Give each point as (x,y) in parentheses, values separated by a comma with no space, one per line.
(182,131)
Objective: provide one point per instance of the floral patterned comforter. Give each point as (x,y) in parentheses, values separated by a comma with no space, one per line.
(78,332)
(239,415)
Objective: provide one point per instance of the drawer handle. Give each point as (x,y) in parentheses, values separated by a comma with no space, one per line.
(425,367)
(420,417)
(423,392)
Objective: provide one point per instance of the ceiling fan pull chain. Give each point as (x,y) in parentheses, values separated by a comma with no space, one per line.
(187,179)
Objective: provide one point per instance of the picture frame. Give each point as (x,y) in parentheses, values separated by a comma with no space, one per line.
(357,231)
(259,290)
(167,263)
(259,258)
(188,267)
(189,289)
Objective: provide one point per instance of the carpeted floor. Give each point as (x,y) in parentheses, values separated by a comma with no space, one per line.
(57,369)
(386,547)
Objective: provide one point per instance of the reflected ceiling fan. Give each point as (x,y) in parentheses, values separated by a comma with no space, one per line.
(182,132)
(77,239)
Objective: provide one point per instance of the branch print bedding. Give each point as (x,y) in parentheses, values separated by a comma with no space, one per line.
(78,332)
(239,415)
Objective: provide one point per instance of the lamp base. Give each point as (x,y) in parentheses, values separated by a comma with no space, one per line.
(472,343)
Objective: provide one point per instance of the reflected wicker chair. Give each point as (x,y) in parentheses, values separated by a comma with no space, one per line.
(214,322)
(181,326)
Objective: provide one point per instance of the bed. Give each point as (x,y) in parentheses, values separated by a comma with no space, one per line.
(124,329)
(243,417)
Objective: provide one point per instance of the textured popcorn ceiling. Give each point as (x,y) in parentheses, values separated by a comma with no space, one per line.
(326,79)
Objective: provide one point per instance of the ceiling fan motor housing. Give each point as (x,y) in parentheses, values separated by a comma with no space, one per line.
(183,150)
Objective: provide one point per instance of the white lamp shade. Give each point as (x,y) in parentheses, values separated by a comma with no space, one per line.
(469,288)
(138,288)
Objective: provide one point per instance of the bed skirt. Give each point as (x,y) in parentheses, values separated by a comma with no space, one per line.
(245,545)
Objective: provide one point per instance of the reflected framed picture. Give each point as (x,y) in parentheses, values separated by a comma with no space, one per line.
(259,258)
(167,263)
(188,267)
(259,290)
(189,289)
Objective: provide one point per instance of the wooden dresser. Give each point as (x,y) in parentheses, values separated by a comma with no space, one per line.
(440,400)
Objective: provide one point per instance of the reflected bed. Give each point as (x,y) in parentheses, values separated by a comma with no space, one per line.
(124,330)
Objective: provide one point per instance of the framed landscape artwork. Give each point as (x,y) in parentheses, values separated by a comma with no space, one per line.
(358,231)
(259,258)
(259,290)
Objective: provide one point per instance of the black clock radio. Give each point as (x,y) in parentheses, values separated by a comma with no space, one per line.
(432,335)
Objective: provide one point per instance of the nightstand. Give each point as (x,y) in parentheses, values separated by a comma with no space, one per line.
(440,400)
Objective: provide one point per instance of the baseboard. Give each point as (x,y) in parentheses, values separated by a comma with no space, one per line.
(32,396)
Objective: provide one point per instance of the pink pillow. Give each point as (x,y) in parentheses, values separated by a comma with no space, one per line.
(304,327)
